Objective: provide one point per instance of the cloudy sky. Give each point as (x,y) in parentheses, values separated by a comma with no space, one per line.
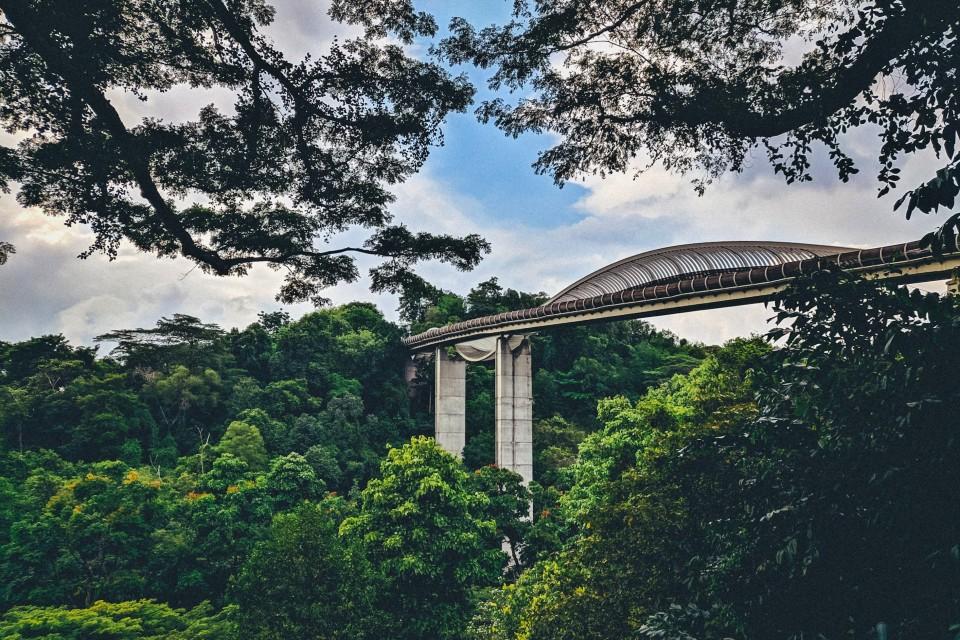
(481,181)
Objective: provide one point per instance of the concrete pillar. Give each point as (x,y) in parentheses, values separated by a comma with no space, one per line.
(514,391)
(450,402)
(410,376)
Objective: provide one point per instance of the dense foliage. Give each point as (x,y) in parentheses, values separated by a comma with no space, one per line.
(138,620)
(210,484)
(808,492)
(328,386)
(196,480)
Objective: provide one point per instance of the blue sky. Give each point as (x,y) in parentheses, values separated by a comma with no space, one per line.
(481,161)
(480,181)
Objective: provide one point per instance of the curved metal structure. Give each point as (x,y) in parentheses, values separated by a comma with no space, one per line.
(723,274)
(671,280)
(662,266)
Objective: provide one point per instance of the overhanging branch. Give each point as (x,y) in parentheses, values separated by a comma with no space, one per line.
(741,118)
(76,79)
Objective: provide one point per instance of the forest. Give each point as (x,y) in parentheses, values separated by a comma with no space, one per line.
(279,481)
(188,481)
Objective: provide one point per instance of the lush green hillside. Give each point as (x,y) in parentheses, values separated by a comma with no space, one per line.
(276,482)
(806,492)
(178,465)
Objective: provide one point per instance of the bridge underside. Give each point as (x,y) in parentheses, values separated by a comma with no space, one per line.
(726,274)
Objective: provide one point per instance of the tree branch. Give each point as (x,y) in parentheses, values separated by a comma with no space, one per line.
(316,254)
(741,118)
(628,13)
(307,123)
(75,77)
(242,37)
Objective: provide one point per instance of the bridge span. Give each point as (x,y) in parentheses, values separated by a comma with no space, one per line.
(671,280)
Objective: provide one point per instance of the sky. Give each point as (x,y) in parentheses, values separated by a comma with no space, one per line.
(480,181)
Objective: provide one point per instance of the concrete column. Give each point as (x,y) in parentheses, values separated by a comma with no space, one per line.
(409,376)
(514,391)
(450,402)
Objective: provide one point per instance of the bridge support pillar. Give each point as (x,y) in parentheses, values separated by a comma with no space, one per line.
(450,402)
(514,408)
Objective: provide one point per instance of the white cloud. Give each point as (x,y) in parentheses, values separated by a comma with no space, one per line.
(44,288)
(716,326)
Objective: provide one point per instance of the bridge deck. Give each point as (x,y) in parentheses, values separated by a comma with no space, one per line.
(907,262)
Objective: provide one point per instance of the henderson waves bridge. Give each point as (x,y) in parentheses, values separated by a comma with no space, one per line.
(660,282)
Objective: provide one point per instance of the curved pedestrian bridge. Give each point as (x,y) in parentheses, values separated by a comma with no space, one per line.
(691,277)
(664,281)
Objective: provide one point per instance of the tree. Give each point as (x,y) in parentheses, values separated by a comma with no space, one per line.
(82,411)
(22,360)
(304,581)
(107,418)
(276,437)
(244,441)
(420,527)
(698,86)
(488,298)
(133,620)
(223,519)
(351,348)
(806,492)
(287,398)
(12,505)
(90,541)
(859,463)
(308,150)
(636,509)
(185,403)
(182,339)
(14,415)
(555,443)
(508,505)
(292,480)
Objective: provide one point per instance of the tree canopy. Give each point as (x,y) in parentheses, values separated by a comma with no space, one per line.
(803,492)
(136,620)
(308,149)
(698,85)
(421,523)
(804,488)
